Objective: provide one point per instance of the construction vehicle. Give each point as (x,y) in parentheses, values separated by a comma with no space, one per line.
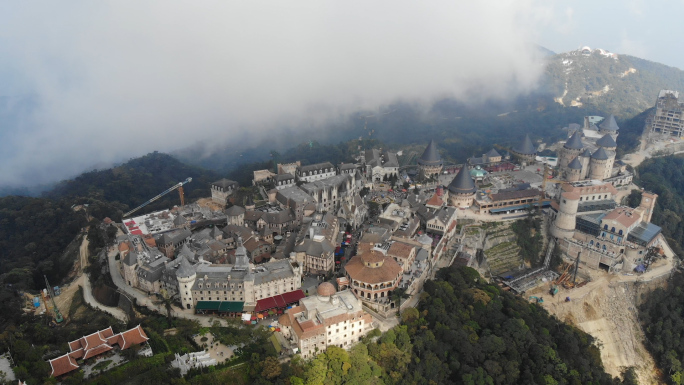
(554,289)
(57,315)
(178,186)
(537,299)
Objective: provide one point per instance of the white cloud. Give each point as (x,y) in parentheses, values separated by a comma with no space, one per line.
(117,79)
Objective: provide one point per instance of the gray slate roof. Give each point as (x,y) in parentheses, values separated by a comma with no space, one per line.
(430,156)
(526,147)
(609,124)
(575,142)
(283,177)
(586,153)
(225,183)
(600,154)
(463,182)
(575,164)
(606,141)
(493,153)
(234,211)
(185,269)
(317,166)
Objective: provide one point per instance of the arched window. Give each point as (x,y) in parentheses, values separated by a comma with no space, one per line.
(612,230)
(605,227)
(620,232)
(591,242)
(604,247)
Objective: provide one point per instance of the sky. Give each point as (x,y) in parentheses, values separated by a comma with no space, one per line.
(87,83)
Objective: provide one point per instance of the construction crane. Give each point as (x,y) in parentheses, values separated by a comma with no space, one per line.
(543,190)
(178,186)
(51,293)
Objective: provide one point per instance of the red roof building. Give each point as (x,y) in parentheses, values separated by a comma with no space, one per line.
(95,344)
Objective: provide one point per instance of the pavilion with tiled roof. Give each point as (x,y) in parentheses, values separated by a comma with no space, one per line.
(93,345)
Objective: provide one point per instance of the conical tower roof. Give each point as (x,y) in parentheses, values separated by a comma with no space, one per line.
(586,154)
(600,154)
(185,269)
(526,147)
(493,153)
(250,201)
(606,141)
(575,142)
(575,164)
(609,124)
(463,182)
(430,156)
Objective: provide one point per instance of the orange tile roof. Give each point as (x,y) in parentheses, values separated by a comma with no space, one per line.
(623,215)
(436,200)
(62,365)
(97,351)
(358,271)
(371,256)
(124,246)
(400,249)
(132,337)
(76,354)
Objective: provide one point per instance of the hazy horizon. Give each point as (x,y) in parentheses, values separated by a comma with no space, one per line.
(99,83)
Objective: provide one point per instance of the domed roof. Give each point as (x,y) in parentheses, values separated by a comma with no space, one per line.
(477,172)
(606,141)
(600,154)
(463,182)
(609,124)
(430,156)
(326,289)
(575,164)
(526,147)
(575,142)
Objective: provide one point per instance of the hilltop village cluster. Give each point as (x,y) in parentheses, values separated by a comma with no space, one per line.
(267,258)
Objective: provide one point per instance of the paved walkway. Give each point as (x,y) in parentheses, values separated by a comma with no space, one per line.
(90,300)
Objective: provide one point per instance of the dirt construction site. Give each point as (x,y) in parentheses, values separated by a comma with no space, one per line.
(607,308)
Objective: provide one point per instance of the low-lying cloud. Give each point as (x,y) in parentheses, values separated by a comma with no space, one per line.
(91,82)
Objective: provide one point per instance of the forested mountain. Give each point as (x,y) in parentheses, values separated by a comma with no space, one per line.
(621,84)
(34,233)
(595,83)
(662,317)
(135,182)
(665,177)
(464,331)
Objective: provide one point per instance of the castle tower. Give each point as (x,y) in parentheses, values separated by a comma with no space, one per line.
(598,164)
(648,201)
(608,144)
(249,204)
(571,150)
(186,280)
(462,189)
(564,225)
(585,158)
(573,172)
(609,126)
(430,163)
(525,152)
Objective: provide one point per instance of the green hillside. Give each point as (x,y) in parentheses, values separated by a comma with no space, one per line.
(136,181)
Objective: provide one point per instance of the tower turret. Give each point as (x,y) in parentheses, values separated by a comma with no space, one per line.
(564,225)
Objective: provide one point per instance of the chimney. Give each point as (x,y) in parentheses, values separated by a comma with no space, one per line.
(311,233)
